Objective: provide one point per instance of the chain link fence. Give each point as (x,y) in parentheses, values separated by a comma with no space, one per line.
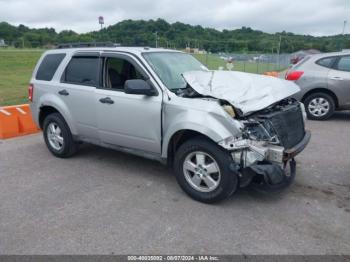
(251,63)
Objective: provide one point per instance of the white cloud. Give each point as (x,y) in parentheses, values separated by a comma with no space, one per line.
(316,17)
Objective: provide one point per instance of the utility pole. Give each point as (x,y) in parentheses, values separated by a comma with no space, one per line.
(156,34)
(344,25)
(278,54)
(340,44)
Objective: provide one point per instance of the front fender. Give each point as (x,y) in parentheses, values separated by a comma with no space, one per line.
(212,124)
(57,103)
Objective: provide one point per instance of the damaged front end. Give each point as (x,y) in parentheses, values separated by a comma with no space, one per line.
(273,130)
(270,140)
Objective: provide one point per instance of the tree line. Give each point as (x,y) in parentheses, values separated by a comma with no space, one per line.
(175,35)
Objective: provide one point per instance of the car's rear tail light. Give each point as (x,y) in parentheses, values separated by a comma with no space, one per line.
(294,75)
(30,92)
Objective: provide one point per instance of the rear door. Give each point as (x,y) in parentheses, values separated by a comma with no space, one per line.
(339,80)
(127,120)
(77,89)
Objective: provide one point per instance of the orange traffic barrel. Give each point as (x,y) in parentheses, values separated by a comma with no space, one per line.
(16,121)
(271,73)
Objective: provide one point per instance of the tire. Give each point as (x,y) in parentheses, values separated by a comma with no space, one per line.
(226,180)
(325,101)
(65,146)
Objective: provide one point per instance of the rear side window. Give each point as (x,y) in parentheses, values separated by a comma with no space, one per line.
(49,66)
(344,64)
(326,62)
(82,71)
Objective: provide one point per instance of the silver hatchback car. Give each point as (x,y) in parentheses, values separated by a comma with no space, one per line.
(324,80)
(219,130)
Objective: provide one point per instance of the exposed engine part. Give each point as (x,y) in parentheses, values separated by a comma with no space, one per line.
(247,157)
(260,131)
(229,109)
(255,153)
(267,134)
(188,91)
(283,121)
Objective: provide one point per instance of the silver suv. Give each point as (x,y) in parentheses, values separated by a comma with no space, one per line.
(324,80)
(219,130)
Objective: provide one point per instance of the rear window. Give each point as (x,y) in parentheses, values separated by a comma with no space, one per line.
(49,66)
(82,71)
(301,62)
(326,62)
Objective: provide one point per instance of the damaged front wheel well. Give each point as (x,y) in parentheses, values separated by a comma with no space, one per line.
(178,139)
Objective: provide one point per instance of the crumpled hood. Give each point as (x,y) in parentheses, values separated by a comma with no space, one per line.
(245,91)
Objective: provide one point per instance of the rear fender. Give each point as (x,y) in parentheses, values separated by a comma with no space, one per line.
(57,103)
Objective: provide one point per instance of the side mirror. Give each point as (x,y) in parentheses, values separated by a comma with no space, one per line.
(139,87)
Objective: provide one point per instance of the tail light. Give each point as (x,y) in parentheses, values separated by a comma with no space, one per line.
(294,75)
(30,92)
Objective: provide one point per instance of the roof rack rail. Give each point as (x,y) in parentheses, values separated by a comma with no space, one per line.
(87,44)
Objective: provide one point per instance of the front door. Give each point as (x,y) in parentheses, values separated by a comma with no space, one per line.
(127,120)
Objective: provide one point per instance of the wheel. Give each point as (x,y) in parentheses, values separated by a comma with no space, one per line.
(319,106)
(202,170)
(58,137)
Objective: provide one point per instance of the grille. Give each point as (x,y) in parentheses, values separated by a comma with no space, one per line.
(288,124)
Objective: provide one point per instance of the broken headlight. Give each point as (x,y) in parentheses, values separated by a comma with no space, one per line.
(259,132)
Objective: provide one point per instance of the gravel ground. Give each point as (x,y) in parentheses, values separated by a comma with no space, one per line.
(106,202)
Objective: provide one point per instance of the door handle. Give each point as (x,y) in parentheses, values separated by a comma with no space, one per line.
(106,100)
(336,78)
(63,92)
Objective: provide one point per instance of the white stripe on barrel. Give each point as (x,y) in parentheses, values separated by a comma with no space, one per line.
(5,112)
(21,111)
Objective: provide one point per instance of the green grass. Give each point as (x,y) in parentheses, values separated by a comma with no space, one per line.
(16,68)
(213,62)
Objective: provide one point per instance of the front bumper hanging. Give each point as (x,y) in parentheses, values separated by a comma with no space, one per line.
(270,176)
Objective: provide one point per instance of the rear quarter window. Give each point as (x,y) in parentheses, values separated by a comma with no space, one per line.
(49,66)
(326,62)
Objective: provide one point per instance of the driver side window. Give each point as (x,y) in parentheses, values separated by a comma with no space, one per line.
(117,71)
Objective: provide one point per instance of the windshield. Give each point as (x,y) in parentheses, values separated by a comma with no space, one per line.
(169,66)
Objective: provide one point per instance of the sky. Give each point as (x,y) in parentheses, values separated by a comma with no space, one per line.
(315,17)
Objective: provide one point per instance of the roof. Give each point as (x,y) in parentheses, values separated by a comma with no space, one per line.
(134,50)
(306,52)
(316,56)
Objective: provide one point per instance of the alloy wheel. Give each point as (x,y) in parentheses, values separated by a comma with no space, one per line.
(54,135)
(201,171)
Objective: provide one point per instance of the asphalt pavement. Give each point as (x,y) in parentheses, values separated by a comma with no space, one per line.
(105,202)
